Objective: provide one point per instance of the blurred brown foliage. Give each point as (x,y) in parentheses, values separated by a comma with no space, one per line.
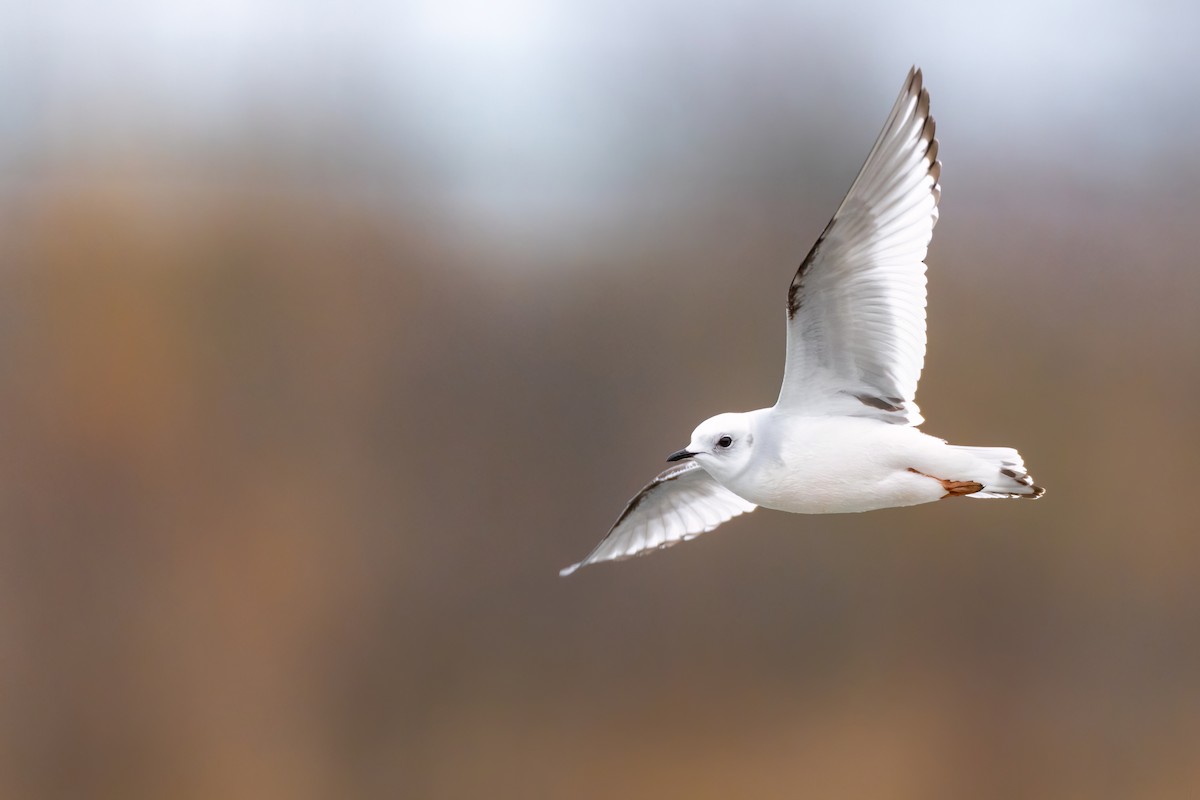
(287,482)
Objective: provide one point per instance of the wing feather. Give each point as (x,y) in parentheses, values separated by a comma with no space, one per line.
(856,307)
(681,503)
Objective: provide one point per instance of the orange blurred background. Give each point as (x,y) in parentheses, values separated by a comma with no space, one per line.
(326,341)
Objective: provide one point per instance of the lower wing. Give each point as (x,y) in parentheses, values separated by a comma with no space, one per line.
(680,504)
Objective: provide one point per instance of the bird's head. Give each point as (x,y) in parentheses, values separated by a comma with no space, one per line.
(721,444)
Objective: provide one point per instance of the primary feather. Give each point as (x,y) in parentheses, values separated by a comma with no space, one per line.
(856,307)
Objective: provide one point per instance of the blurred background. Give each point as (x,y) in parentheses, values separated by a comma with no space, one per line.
(326,339)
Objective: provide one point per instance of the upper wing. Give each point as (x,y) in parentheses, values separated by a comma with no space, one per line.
(680,504)
(856,308)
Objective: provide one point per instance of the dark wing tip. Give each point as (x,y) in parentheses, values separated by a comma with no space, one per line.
(916,79)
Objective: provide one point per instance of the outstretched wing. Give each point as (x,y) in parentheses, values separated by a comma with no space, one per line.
(680,504)
(856,308)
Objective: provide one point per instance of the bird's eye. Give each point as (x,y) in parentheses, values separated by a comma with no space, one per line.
(724,441)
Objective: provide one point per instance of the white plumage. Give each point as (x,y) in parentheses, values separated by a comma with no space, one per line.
(680,504)
(856,308)
(842,435)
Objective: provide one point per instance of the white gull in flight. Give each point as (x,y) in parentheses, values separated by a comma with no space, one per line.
(842,436)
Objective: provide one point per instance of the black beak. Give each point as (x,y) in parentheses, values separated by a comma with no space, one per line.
(680,455)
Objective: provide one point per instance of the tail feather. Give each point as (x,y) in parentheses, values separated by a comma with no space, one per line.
(1004,473)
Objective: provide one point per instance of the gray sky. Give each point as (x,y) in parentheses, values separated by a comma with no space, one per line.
(513,113)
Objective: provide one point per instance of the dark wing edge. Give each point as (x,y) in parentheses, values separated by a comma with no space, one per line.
(681,503)
(914,86)
(855,241)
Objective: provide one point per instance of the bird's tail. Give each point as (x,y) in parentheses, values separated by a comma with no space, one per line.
(1003,473)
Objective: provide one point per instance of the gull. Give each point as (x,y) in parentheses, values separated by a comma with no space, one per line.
(843,435)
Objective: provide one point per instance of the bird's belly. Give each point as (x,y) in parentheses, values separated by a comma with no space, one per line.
(831,495)
(839,473)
